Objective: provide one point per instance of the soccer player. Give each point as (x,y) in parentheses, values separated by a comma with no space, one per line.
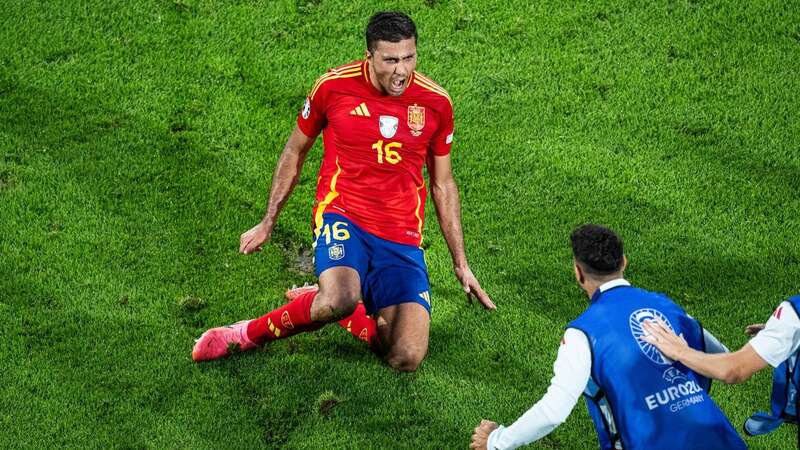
(776,344)
(381,122)
(637,399)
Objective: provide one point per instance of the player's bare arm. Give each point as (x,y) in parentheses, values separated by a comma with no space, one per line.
(730,368)
(284,179)
(444,192)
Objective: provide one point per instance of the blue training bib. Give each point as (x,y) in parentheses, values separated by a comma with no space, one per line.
(636,397)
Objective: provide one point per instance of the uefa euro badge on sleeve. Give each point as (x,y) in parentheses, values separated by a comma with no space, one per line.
(416,119)
(388,126)
(307,108)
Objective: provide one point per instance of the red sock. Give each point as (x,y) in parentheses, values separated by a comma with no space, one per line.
(288,320)
(362,326)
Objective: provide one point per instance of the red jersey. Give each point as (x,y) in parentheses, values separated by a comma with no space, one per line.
(375,146)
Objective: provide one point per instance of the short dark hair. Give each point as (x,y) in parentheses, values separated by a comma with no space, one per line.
(597,249)
(390,26)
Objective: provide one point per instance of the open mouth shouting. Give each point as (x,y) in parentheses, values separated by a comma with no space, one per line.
(397,85)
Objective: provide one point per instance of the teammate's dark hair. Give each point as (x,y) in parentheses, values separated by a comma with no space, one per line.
(390,26)
(597,249)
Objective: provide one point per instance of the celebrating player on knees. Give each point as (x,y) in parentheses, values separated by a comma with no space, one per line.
(381,122)
(635,396)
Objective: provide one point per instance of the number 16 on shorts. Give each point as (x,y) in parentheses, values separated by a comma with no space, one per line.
(336,232)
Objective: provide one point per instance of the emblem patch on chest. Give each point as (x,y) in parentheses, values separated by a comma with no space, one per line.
(388,126)
(416,119)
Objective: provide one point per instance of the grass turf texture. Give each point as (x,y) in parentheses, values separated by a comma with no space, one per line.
(137,140)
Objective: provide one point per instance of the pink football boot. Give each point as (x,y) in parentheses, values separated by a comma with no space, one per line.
(220,342)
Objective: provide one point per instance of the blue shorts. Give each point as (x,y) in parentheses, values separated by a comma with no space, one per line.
(390,273)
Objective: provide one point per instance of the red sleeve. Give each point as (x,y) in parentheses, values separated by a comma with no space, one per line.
(311,118)
(442,139)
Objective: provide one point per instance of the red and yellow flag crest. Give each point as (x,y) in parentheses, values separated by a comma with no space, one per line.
(416,119)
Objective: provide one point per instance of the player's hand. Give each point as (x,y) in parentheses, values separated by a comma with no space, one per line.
(472,288)
(480,435)
(251,240)
(752,330)
(668,343)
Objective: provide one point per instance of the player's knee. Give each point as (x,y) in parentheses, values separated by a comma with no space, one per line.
(407,359)
(334,305)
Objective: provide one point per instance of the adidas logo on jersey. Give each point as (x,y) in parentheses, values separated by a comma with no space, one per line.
(360,110)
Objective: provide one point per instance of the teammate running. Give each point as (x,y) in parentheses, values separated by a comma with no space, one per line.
(636,398)
(381,122)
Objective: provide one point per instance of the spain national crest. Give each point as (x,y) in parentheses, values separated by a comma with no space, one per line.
(416,119)
(336,252)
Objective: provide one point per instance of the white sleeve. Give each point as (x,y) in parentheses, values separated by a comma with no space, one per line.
(713,345)
(781,336)
(571,373)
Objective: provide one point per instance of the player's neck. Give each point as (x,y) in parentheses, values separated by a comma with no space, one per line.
(592,285)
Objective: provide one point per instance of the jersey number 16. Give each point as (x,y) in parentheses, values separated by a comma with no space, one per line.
(388,152)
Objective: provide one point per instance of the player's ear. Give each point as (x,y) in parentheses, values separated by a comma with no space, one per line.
(624,263)
(367,54)
(578,273)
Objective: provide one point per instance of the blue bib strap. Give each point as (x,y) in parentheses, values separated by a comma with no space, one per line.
(602,416)
(761,423)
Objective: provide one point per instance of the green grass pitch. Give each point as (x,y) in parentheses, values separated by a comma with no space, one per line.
(138,138)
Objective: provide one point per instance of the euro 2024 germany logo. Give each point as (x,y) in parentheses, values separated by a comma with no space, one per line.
(636,320)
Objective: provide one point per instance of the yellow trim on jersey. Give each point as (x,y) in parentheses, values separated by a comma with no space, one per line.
(416,213)
(419,82)
(332,76)
(328,75)
(429,81)
(349,73)
(346,67)
(443,94)
(332,194)
(432,84)
(342,70)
